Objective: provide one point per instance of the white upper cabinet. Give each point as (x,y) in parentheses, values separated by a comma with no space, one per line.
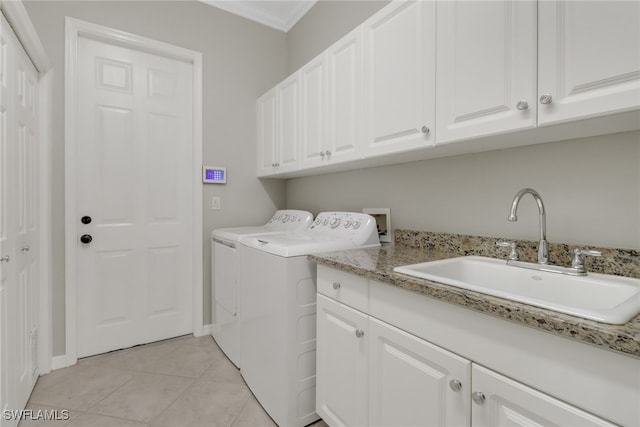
(400,78)
(266,109)
(589,59)
(486,68)
(344,131)
(287,157)
(313,114)
(278,130)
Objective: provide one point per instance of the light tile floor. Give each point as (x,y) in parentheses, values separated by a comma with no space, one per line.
(181,382)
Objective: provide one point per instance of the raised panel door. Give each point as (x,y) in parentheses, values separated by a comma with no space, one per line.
(589,59)
(486,61)
(344,114)
(313,112)
(400,78)
(134,179)
(267,131)
(413,382)
(500,401)
(342,364)
(287,152)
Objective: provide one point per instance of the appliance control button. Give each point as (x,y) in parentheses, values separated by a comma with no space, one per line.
(325,221)
(356,225)
(346,224)
(335,222)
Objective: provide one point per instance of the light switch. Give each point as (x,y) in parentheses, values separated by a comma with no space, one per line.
(215,204)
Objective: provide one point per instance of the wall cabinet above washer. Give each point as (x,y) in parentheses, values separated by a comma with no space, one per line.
(497,74)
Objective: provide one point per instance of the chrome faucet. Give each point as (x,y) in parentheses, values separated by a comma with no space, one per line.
(543,250)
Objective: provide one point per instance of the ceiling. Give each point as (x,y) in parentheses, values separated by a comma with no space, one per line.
(281,15)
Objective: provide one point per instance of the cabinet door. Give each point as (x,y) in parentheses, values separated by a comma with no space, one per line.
(341,371)
(504,402)
(413,382)
(486,59)
(589,58)
(344,138)
(400,77)
(313,104)
(266,107)
(288,124)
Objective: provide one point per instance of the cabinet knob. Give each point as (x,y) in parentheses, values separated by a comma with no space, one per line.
(322,154)
(546,99)
(425,130)
(5,259)
(86,220)
(328,153)
(336,285)
(522,105)
(359,333)
(478,397)
(86,239)
(25,249)
(455,385)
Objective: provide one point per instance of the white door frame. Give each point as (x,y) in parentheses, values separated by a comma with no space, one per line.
(17,16)
(75,28)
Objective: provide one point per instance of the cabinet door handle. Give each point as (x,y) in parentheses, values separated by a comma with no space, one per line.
(546,99)
(478,397)
(455,385)
(336,285)
(359,333)
(522,105)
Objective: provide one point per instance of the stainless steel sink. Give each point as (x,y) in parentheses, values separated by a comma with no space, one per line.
(599,297)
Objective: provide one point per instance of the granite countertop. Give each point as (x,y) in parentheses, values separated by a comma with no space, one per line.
(378,264)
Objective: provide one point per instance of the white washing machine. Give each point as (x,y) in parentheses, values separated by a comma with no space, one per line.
(225,266)
(278,292)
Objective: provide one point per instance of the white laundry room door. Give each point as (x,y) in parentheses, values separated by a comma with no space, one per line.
(134,195)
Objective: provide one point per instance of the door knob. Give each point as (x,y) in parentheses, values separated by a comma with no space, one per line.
(86,220)
(86,238)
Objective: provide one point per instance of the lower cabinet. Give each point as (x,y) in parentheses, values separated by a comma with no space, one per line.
(500,401)
(415,383)
(370,372)
(342,364)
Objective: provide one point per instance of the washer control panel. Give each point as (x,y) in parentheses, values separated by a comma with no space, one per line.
(357,227)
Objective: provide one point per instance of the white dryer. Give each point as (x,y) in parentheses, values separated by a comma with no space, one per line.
(278,292)
(225,266)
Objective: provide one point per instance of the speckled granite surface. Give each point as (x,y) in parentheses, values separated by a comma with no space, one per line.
(378,264)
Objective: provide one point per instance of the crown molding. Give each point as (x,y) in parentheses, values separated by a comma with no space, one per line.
(259,11)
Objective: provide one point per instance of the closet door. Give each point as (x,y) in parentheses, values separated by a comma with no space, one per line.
(18,221)
(6,232)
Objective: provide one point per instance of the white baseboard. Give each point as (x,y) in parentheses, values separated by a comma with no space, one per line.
(59,362)
(206,330)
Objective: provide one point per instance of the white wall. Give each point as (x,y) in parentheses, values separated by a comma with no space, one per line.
(241,60)
(591,186)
